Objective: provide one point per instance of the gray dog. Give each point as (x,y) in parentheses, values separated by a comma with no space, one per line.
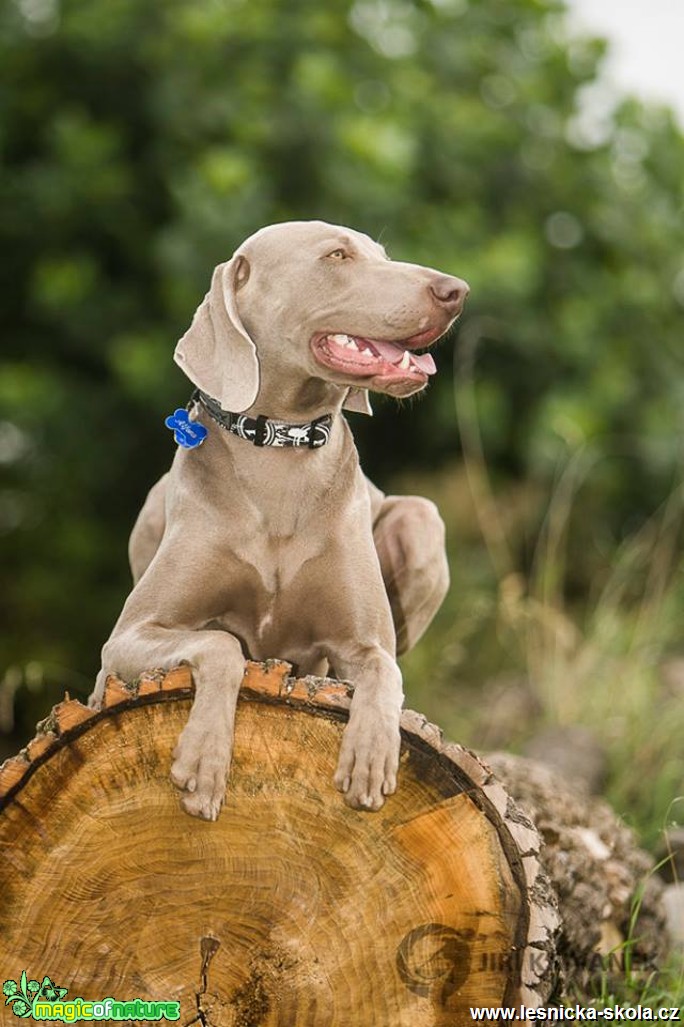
(266,540)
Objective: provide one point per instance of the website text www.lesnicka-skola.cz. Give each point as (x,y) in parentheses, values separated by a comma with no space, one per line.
(636,1014)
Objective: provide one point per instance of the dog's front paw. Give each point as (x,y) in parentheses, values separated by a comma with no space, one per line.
(200,768)
(369,756)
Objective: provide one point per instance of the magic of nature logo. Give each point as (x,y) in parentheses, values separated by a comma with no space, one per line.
(47,1001)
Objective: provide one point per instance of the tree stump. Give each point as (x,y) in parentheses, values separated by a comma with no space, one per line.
(290,910)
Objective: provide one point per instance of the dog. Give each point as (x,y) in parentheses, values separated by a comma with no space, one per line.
(265,539)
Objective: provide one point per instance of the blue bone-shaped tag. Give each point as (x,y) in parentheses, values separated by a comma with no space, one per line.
(187,433)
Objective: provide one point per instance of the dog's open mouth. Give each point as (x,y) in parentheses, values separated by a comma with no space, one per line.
(371,358)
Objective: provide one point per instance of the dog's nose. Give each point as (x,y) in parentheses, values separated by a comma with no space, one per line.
(450,292)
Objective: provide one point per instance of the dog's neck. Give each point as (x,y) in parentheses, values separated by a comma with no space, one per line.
(295,402)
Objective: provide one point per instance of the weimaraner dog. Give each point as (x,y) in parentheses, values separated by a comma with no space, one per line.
(266,540)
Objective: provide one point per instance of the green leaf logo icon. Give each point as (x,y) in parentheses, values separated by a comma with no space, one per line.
(22,996)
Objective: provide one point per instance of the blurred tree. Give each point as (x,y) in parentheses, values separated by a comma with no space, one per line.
(142,142)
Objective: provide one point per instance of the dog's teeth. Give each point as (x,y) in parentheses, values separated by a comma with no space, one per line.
(346,341)
(405,361)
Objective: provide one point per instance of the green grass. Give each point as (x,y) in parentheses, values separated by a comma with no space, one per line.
(662,989)
(599,664)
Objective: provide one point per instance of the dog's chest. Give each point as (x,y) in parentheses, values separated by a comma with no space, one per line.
(277,560)
(268,607)
(281,566)
(273,522)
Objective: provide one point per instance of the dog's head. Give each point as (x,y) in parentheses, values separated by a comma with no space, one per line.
(309,300)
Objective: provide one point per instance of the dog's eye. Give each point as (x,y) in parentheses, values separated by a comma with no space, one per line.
(339,254)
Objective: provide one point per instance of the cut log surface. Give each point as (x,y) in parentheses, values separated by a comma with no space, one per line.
(291,909)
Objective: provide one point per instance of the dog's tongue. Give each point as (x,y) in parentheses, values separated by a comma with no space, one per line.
(424,362)
(392,353)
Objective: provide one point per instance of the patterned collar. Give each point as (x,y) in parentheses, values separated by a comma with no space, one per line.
(263,431)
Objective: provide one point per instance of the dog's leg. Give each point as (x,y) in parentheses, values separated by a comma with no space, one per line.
(148,530)
(353,624)
(408,533)
(155,630)
(369,755)
(203,753)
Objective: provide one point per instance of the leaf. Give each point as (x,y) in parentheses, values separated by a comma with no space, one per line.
(9,988)
(22,982)
(47,989)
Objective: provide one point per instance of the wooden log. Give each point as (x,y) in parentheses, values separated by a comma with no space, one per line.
(609,895)
(292,909)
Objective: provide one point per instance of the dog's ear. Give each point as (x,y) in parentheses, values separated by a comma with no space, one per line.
(216,352)
(358,401)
